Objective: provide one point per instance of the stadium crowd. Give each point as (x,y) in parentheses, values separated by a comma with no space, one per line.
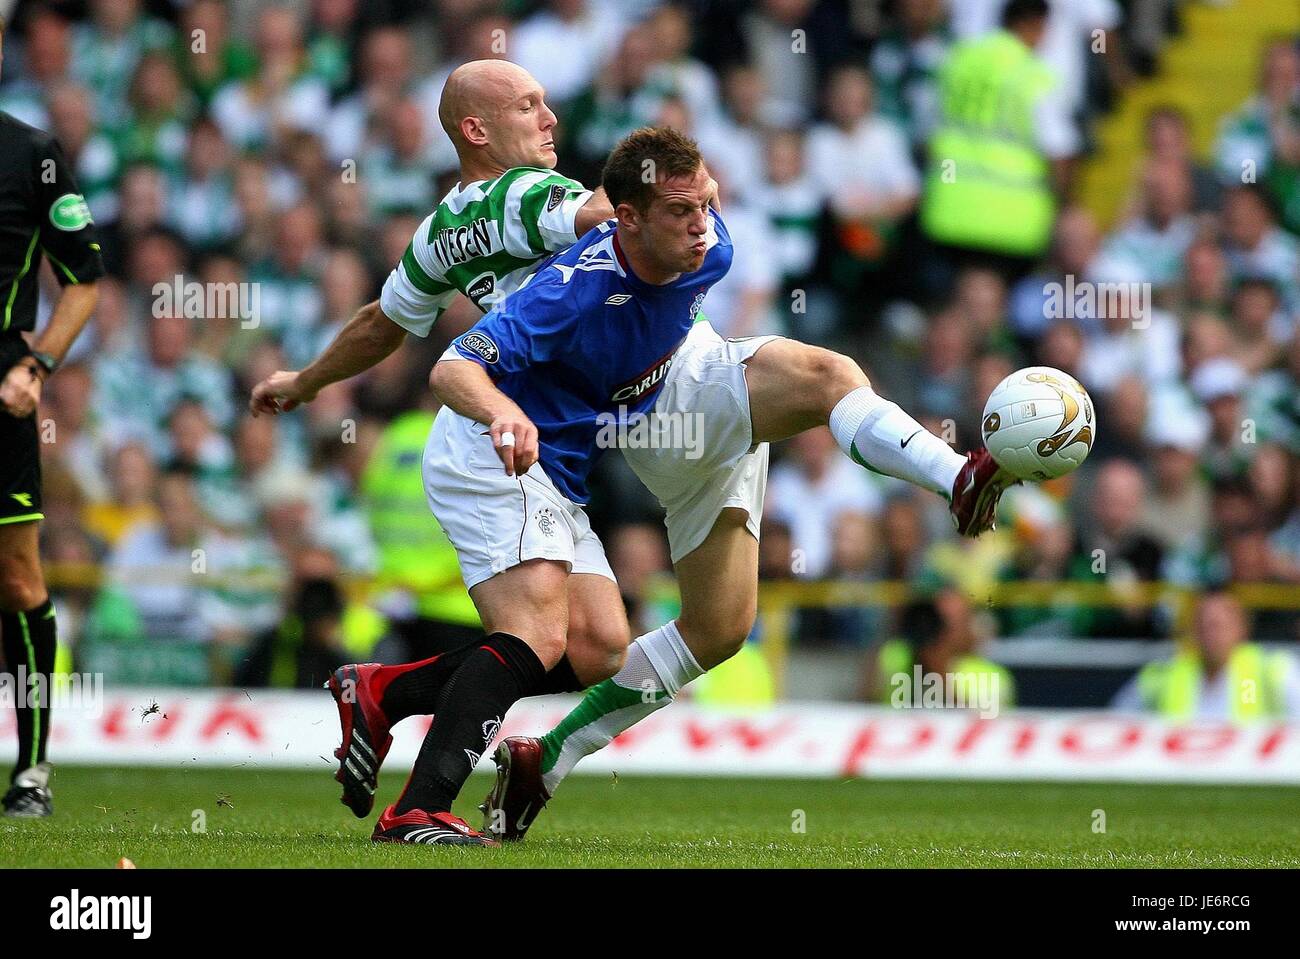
(293,148)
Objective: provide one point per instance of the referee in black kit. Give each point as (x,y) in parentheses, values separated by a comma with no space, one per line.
(42,214)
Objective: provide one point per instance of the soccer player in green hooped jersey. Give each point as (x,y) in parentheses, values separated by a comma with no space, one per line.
(508,212)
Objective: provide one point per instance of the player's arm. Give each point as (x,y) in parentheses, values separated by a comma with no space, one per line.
(413,298)
(466,388)
(595,210)
(68,240)
(368,338)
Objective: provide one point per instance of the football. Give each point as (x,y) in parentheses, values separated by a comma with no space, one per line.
(1039,423)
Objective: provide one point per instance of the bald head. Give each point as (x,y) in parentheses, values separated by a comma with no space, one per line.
(480,92)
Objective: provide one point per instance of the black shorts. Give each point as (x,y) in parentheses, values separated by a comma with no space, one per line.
(20,453)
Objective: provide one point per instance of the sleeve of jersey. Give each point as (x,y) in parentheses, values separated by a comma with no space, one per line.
(67,234)
(540,211)
(717,261)
(535,325)
(414,294)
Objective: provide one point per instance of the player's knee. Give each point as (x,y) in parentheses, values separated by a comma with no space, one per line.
(548,642)
(827,376)
(597,652)
(21,585)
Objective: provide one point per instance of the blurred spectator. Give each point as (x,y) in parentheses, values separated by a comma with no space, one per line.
(867,157)
(1260,142)
(1113,549)
(941,638)
(306,646)
(136,391)
(905,63)
(814,490)
(282,95)
(1256,246)
(587,31)
(1225,677)
(1219,385)
(1177,507)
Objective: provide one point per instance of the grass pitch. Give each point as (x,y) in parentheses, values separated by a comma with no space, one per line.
(293,819)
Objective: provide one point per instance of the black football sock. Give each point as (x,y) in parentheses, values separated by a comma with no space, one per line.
(412,689)
(29,642)
(466,718)
(561,679)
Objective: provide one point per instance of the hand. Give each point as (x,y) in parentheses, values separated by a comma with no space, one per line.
(21,391)
(278,393)
(515,439)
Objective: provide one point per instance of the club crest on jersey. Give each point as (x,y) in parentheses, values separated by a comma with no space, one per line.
(555,198)
(481,346)
(697,304)
(644,382)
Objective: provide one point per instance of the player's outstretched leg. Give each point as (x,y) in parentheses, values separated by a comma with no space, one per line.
(794,387)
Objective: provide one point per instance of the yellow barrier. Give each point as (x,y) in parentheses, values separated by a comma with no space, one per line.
(777,601)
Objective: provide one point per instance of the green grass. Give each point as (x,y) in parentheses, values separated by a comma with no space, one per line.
(280,818)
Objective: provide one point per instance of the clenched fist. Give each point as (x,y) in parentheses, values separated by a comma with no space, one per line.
(278,393)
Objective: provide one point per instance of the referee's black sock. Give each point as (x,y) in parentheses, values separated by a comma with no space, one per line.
(469,711)
(29,642)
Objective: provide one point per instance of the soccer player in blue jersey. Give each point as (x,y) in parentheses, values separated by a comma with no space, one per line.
(607,329)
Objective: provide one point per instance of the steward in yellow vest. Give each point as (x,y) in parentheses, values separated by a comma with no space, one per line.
(415,557)
(1222,677)
(1255,677)
(988,183)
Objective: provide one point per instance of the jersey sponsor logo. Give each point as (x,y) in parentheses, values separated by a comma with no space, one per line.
(453,245)
(618,299)
(645,382)
(480,288)
(70,213)
(555,198)
(481,346)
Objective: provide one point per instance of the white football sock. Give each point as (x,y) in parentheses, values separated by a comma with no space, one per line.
(658,665)
(878,434)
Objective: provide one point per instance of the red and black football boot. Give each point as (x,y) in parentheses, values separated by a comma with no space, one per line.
(976,492)
(518,794)
(365,736)
(418,827)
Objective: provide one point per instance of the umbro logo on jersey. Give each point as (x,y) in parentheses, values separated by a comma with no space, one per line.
(481,346)
(618,299)
(555,198)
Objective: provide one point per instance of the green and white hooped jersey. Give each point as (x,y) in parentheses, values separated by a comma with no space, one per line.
(483,240)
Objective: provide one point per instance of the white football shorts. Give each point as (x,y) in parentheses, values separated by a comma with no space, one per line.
(715,464)
(497,521)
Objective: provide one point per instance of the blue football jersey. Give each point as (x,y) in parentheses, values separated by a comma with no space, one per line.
(585,340)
